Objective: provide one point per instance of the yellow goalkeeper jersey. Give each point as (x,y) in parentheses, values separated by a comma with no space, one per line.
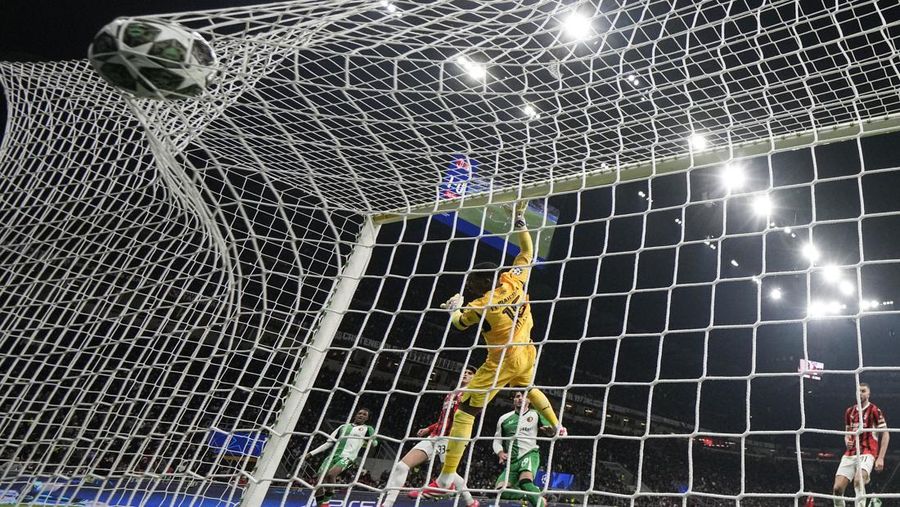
(506,311)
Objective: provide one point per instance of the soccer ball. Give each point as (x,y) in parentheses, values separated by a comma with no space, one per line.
(153,59)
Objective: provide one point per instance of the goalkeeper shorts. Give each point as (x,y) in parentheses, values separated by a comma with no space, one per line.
(516,370)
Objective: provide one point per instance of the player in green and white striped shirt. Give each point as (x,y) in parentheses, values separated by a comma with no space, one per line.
(348,439)
(515,444)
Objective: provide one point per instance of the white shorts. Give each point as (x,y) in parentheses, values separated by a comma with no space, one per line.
(850,464)
(432,446)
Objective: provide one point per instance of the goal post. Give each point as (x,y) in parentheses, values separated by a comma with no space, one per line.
(298,391)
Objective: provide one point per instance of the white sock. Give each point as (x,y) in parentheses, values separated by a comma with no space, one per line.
(860,494)
(395,482)
(460,484)
(839,503)
(445,480)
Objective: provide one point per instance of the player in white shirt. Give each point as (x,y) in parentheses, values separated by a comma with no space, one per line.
(515,444)
(348,439)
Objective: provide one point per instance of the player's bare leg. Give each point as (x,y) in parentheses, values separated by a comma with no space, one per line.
(859,487)
(840,485)
(323,495)
(400,472)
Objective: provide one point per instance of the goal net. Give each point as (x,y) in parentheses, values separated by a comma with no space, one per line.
(198,293)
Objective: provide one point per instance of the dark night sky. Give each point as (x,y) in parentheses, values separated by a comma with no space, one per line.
(579,312)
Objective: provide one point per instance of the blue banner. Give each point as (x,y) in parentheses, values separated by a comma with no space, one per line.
(244,443)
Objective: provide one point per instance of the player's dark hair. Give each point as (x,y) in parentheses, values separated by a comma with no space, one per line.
(369,412)
(484,271)
(863,384)
(471,368)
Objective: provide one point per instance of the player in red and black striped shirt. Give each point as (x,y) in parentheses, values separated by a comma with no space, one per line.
(864,451)
(435,445)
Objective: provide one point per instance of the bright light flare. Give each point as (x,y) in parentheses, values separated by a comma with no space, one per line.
(530,111)
(869,304)
(811,252)
(697,142)
(776,294)
(390,7)
(733,176)
(762,206)
(831,273)
(823,308)
(577,26)
(847,287)
(474,69)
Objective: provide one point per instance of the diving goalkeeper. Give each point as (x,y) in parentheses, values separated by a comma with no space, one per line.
(504,313)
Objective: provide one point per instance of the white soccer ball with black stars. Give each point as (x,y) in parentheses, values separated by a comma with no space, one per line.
(149,58)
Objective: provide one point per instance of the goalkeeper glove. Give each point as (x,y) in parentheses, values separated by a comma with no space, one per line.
(453,303)
(518,214)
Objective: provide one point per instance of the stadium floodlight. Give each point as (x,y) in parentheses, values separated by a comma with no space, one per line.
(869,304)
(822,308)
(775,293)
(762,206)
(641,193)
(733,177)
(577,26)
(734,263)
(389,6)
(530,111)
(846,287)
(816,309)
(811,252)
(474,69)
(831,273)
(697,142)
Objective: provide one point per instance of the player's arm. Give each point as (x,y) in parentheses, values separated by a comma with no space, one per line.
(497,444)
(427,430)
(373,441)
(327,445)
(848,438)
(463,319)
(498,437)
(526,246)
(884,439)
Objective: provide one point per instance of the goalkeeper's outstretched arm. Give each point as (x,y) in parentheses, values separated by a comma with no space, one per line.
(526,246)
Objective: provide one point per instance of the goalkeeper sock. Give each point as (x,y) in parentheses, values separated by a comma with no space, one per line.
(459,438)
(395,482)
(534,495)
(541,404)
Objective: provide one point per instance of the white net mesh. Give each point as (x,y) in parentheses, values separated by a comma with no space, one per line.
(166,264)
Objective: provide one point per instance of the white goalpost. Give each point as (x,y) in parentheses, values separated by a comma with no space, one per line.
(197,293)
